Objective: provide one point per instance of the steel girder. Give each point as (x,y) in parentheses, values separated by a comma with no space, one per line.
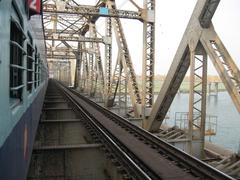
(148,58)
(68,30)
(122,93)
(148,14)
(127,66)
(61,70)
(208,12)
(91,80)
(57,56)
(99,67)
(223,63)
(85,72)
(197,100)
(108,60)
(198,33)
(199,40)
(78,66)
(76,38)
(91,11)
(180,62)
(115,81)
(65,28)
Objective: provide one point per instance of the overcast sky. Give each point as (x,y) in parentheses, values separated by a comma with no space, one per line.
(172,17)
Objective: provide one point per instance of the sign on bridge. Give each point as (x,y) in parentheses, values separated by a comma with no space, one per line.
(34,7)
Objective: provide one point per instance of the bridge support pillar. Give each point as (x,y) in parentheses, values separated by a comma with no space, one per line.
(197,100)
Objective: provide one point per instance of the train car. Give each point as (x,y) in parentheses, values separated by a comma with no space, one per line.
(23,81)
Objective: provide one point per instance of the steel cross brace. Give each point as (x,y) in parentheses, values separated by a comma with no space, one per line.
(91,11)
(224,64)
(100,75)
(77,38)
(127,66)
(148,58)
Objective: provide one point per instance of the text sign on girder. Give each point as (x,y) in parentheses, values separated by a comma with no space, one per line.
(34,6)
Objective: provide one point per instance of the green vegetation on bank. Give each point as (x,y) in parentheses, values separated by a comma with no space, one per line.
(184,88)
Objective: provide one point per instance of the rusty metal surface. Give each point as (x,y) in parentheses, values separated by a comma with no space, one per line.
(156,158)
(63,148)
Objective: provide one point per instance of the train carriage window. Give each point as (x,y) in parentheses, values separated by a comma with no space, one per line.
(42,73)
(17,52)
(38,71)
(30,62)
(26,8)
(36,68)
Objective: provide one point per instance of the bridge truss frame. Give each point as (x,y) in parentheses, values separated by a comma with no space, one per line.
(70,33)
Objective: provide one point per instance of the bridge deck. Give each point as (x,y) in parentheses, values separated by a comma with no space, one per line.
(72,130)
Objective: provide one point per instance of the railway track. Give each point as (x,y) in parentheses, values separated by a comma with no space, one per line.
(136,153)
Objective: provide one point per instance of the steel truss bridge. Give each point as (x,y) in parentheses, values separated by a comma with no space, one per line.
(74,55)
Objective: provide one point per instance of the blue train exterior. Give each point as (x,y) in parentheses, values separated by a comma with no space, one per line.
(23,81)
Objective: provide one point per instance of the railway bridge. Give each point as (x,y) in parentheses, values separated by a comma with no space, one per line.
(75,46)
(98,119)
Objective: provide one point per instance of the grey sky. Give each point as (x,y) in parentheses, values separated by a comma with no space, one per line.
(171,19)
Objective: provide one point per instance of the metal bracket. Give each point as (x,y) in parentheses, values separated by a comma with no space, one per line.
(107,40)
(148,15)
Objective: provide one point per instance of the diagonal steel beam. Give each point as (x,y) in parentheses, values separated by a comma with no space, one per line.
(127,66)
(223,63)
(180,63)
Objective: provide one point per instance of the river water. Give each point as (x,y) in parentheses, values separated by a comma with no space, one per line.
(228,118)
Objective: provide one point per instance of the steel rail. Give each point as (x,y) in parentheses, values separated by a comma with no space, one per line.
(172,152)
(186,162)
(132,166)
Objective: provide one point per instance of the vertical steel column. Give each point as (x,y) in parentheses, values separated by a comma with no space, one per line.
(201,16)
(122,93)
(91,71)
(85,73)
(108,60)
(115,81)
(197,101)
(148,57)
(69,73)
(91,64)
(54,18)
(78,66)
(59,71)
(99,75)
(96,80)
